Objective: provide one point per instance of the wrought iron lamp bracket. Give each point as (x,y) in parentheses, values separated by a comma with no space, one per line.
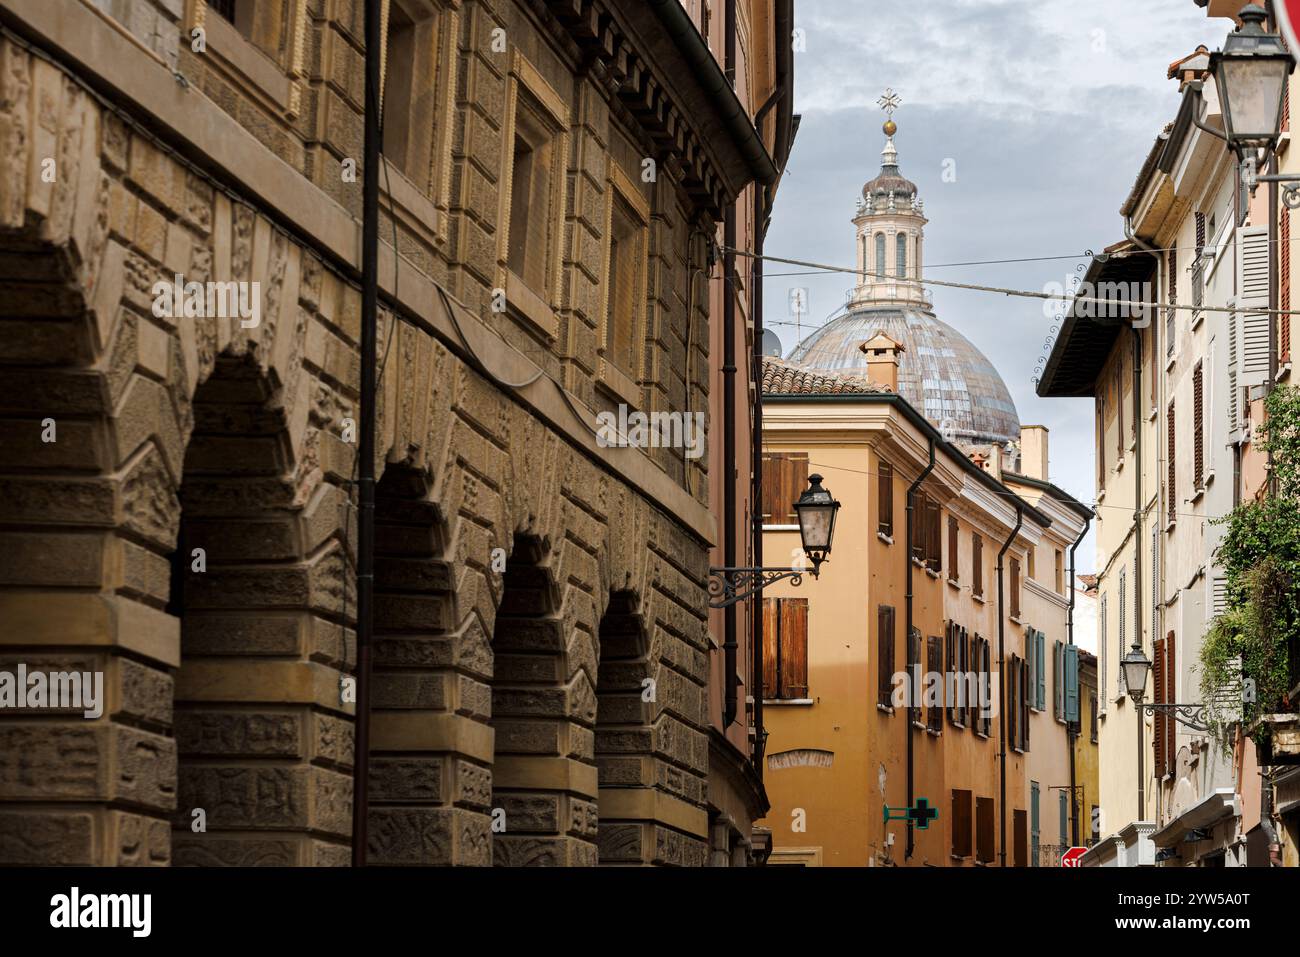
(728,584)
(1189,715)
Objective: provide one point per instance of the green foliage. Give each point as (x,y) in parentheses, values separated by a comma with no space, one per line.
(1260,554)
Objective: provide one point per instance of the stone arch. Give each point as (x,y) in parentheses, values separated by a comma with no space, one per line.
(543,779)
(263,724)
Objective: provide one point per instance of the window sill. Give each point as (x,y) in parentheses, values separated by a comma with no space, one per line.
(1151,416)
(1015,619)
(933,733)
(959,857)
(954,583)
(887,539)
(982,735)
(884,708)
(1101,494)
(918,563)
(525,304)
(1197,495)
(918,726)
(1169,363)
(1209,478)
(780,528)
(931,572)
(1283,372)
(620,385)
(1169,526)
(248,63)
(781,702)
(979,598)
(1119,466)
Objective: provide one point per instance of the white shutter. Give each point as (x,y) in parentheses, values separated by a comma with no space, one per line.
(1101,649)
(1234,387)
(1253,254)
(1218,595)
(1155,570)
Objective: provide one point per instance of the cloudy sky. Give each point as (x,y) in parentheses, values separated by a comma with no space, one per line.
(1045,110)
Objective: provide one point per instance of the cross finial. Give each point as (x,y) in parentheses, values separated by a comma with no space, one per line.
(889,102)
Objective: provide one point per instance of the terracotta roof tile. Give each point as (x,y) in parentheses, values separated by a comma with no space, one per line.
(782,377)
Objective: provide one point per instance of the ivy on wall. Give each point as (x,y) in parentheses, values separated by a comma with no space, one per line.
(1260,555)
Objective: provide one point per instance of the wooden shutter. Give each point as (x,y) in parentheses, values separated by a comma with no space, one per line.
(1171,316)
(934,665)
(1158,739)
(885,500)
(1198,427)
(1119,406)
(1035,821)
(950,668)
(917,521)
(1173,460)
(1284,288)
(1101,438)
(1057,670)
(987,715)
(885,655)
(1171,693)
(934,529)
(1015,588)
(1024,708)
(794,647)
(977,565)
(771,640)
(1020,826)
(952,548)
(785,474)
(913,663)
(961,823)
(1010,699)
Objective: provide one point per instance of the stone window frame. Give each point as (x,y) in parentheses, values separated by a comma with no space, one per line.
(625,384)
(536,307)
(437,161)
(248,65)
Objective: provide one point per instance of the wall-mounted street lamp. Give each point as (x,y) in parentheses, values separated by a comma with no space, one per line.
(1250,74)
(816,509)
(1135,666)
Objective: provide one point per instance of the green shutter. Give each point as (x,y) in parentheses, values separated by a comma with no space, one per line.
(1040,652)
(1072,683)
(1033,823)
(1065,822)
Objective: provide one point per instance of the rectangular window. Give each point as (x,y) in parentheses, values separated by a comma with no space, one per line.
(953,573)
(885,655)
(1171,696)
(934,665)
(961,823)
(626,289)
(785,648)
(977,566)
(537,168)
(984,830)
(1119,406)
(885,500)
(785,476)
(986,716)
(934,544)
(917,502)
(1158,738)
(1101,656)
(1060,572)
(1013,700)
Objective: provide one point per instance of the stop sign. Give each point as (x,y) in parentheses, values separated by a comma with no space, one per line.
(1072,857)
(1288,14)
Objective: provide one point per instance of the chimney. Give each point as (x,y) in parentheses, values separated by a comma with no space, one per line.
(1033,451)
(882,360)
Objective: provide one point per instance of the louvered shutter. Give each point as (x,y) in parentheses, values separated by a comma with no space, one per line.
(1057,682)
(1284,287)
(1024,707)
(794,479)
(1171,692)
(794,647)
(913,665)
(771,464)
(1101,655)
(934,665)
(934,551)
(1040,645)
(917,502)
(885,655)
(952,548)
(1014,601)
(1035,822)
(1198,426)
(1158,739)
(977,566)
(1155,578)
(1253,253)
(771,644)
(986,714)
(1234,361)
(1072,683)
(1172,485)
(950,668)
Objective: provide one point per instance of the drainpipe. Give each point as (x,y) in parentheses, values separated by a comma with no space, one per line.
(761,211)
(1137,493)
(911,687)
(729,645)
(1002,688)
(366,449)
(1069,640)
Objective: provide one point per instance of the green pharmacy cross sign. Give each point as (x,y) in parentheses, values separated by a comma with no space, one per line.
(921,814)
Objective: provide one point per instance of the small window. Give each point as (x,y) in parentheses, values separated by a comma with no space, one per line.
(900,266)
(785,476)
(1060,572)
(223,8)
(952,548)
(623,311)
(785,648)
(934,666)
(880,255)
(913,678)
(977,566)
(1014,598)
(532,196)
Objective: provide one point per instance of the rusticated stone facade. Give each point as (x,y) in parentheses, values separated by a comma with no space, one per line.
(190,530)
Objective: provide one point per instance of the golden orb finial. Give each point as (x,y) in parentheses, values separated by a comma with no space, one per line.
(890,127)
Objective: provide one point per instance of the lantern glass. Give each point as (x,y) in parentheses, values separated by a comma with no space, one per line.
(816,509)
(1252,89)
(1135,667)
